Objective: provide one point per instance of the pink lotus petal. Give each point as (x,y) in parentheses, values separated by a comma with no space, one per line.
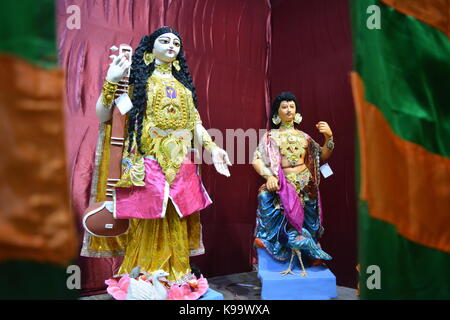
(185,292)
(116,293)
(124,283)
(175,293)
(118,289)
(111,282)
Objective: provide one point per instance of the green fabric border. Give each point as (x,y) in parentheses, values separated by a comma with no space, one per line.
(28,30)
(405,67)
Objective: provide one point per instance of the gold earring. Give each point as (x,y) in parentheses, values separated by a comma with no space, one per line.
(148,58)
(276,119)
(298,118)
(176,65)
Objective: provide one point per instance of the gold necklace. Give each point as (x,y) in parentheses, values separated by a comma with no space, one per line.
(287,125)
(165,68)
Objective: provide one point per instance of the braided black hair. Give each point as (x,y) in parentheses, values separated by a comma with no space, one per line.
(284,96)
(139,75)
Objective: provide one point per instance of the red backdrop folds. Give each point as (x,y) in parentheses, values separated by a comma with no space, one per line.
(236,60)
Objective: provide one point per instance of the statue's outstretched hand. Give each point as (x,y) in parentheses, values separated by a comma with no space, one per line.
(118,67)
(221,161)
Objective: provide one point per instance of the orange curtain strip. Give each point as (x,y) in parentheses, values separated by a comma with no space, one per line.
(402,183)
(35,219)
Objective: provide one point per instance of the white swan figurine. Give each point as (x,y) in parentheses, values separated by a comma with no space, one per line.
(143,290)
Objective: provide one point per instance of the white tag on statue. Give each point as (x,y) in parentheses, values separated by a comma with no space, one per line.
(124,104)
(326,170)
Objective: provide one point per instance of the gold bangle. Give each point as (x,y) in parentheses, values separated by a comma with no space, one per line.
(108,92)
(208,144)
(110,85)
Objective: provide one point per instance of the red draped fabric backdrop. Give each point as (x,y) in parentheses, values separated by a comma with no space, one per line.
(312,57)
(235,63)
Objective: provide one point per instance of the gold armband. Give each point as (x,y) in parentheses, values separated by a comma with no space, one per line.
(330,144)
(108,92)
(208,144)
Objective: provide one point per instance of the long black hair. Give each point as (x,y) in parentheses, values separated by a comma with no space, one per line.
(139,74)
(284,96)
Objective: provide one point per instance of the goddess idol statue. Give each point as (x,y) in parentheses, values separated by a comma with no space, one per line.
(159,190)
(289,215)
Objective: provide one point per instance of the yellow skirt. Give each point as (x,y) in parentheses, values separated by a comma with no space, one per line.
(164,244)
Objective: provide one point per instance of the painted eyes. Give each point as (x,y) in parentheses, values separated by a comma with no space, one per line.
(167,41)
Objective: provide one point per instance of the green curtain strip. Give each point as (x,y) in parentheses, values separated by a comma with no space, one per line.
(28,31)
(405,67)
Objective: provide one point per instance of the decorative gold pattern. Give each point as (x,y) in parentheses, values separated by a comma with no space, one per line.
(108,92)
(292,144)
(208,144)
(330,144)
(299,179)
(165,68)
(170,148)
(130,91)
(168,124)
(287,125)
(276,119)
(170,107)
(148,57)
(176,65)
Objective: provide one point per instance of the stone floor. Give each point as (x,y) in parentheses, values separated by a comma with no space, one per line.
(242,286)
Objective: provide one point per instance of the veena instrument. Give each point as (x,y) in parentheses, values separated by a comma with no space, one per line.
(99,218)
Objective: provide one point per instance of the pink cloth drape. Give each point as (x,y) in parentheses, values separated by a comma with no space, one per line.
(150,201)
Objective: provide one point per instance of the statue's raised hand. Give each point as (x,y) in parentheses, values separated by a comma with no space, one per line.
(118,67)
(325,129)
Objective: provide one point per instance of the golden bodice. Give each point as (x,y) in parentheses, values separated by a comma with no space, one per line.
(169,105)
(167,130)
(292,144)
